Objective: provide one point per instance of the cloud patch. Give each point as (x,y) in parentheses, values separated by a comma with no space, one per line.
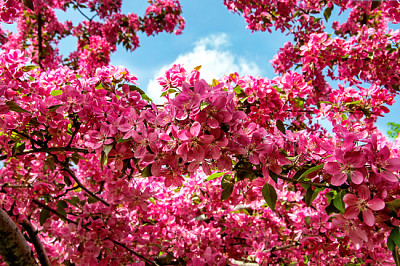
(213,54)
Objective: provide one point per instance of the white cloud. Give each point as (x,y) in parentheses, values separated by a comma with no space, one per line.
(216,59)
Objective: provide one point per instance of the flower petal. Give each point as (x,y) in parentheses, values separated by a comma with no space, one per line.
(376,204)
(369,218)
(333,168)
(339,179)
(351,212)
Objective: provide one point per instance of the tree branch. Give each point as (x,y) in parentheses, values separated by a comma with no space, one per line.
(33,235)
(13,247)
(134,252)
(44,206)
(72,174)
(83,226)
(47,150)
(304,182)
(40,39)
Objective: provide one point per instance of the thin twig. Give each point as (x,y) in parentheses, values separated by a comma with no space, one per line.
(44,206)
(304,182)
(290,179)
(86,228)
(40,39)
(47,150)
(77,126)
(133,252)
(275,248)
(72,174)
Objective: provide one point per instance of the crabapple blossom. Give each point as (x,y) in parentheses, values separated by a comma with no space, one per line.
(237,170)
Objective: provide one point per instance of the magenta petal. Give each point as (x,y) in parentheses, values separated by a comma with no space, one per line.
(207,139)
(393,165)
(351,212)
(195,129)
(364,192)
(357,177)
(125,127)
(358,233)
(198,153)
(369,218)
(389,176)
(212,122)
(253,158)
(333,168)
(350,199)
(376,204)
(183,135)
(339,179)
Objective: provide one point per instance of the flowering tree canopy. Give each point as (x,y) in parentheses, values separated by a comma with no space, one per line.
(237,170)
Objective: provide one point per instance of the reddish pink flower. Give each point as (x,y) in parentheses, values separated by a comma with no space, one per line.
(363,204)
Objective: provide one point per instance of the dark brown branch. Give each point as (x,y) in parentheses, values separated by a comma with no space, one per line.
(13,247)
(33,235)
(40,39)
(289,179)
(114,241)
(282,247)
(44,206)
(304,182)
(77,126)
(47,150)
(72,174)
(134,252)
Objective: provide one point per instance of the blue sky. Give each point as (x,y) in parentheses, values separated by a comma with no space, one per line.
(214,38)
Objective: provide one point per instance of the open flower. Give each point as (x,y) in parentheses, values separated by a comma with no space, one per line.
(362,204)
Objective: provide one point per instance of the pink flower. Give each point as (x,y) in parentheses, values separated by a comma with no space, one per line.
(363,204)
(350,162)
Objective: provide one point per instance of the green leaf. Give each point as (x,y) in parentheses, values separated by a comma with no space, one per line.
(28,68)
(338,201)
(227,192)
(99,86)
(62,204)
(92,200)
(238,90)
(327,12)
(394,239)
(14,107)
(44,215)
(73,200)
(226,180)
(123,140)
(56,92)
(107,149)
(393,205)
(103,159)
(61,210)
(152,200)
(54,107)
(269,194)
(311,170)
(307,220)
(214,176)
(280,126)
(147,171)
(76,157)
(273,176)
(311,195)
